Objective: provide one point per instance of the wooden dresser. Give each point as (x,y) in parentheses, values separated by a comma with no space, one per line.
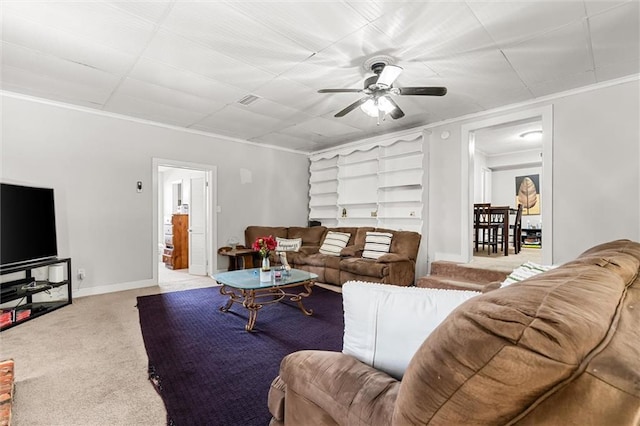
(176,242)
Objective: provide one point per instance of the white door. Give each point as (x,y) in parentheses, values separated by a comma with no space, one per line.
(197,228)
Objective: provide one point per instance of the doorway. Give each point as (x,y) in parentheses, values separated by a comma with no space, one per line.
(184,193)
(476,189)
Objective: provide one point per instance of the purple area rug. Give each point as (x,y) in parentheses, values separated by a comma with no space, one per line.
(209,370)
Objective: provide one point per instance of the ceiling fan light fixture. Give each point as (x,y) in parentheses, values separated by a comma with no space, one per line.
(385,105)
(370,108)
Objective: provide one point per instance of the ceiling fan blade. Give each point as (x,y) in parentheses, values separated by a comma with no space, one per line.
(396,112)
(388,75)
(422,91)
(339,90)
(353,106)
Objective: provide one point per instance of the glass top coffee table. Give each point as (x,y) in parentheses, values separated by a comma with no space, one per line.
(244,287)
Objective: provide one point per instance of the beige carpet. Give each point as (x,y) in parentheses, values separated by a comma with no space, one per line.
(85,364)
(500,262)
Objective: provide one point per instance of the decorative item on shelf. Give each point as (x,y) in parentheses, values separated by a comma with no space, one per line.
(264,246)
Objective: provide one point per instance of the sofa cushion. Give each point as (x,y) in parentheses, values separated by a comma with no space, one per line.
(376,244)
(334,242)
(405,243)
(317,259)
(384,325)
(363,267)
(288,244)
(311,236)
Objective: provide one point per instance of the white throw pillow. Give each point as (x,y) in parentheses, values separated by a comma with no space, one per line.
(284,244)
(524,271)
(384,325)
(376,244)
(334,242)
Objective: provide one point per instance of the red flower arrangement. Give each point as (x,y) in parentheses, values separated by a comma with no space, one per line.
(264,245)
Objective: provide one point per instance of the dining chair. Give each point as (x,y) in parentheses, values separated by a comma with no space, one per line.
(515,230)
(486,227)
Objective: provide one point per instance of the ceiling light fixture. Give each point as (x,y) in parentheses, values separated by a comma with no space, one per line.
(373,107)
(532,135)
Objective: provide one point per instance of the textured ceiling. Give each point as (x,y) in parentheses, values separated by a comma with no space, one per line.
(189,63)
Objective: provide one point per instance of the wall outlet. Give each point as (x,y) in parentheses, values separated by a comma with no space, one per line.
(81,274)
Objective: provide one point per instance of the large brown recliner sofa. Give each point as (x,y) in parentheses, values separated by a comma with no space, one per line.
(560,348)
(397,267)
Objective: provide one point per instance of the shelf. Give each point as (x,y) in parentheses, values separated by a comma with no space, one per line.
(358,176)
(414,161)
(37,309)
(20,292)
(360,203)
(382,172)
(400,217)
(27,297)
(321,169)
(403,186)
(323,175)
(358,218)
(311,182)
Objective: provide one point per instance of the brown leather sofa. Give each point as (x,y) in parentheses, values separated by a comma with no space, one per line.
(560,348)
(397,267)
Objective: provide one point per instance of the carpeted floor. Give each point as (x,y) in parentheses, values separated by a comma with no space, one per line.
(209,370)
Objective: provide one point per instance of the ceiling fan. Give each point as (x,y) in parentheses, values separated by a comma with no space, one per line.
(378,88)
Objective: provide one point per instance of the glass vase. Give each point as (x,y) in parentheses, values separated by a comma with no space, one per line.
(266,264)
(265,270)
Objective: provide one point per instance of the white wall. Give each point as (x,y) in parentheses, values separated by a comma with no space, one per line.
(94,161)
(596,177)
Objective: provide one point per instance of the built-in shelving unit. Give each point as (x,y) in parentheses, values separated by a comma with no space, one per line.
(379,186)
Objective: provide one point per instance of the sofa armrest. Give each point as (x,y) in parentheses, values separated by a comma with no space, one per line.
(392,258)
(344,388)
(352,251)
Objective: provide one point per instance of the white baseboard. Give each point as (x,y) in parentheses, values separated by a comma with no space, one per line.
(104,289)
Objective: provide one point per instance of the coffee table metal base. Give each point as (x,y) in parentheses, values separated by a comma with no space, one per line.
(253,300)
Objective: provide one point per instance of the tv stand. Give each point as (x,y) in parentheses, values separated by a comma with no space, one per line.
(30,292)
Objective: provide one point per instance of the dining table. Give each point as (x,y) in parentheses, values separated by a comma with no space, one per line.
(500,214)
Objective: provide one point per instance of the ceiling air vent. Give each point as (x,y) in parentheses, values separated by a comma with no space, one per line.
(248,100)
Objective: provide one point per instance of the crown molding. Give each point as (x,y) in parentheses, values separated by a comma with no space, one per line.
(94,111)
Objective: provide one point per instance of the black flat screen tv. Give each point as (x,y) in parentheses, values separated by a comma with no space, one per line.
(27,224)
